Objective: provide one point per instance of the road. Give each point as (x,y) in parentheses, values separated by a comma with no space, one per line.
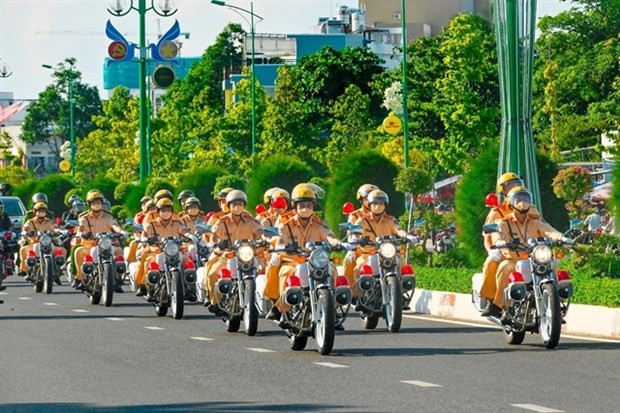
(59,353)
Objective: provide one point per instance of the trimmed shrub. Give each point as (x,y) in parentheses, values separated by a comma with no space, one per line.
(55,186)
(103,184)
(553,208)
(121,191)
(355,170)
(133,197)
(283,171)
(25,190)
(230,181)
(201,182)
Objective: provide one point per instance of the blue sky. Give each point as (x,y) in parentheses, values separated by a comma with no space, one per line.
(26,42)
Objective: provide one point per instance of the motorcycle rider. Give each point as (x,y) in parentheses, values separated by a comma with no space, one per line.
(238,224)
(139,217)
(76,207)
(212,217)
(376,223)
(192,213)
(146,205)
(95,221)
(39,223)
(5,189)
(182,198)
(278,205)
(521,223)
(300,227)
(362,197)
(5,225)
(167,224)
(38,197)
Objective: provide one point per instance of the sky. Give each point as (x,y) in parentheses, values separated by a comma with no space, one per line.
(36,32)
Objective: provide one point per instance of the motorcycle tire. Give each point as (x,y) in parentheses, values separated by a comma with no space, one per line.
(324,328)
(161,310)
(298,343)
(393,310)
(38,286)
(250,312)
(514,338)
(107,289)
(232,324)
(369,322)
(95,298)
(48,273)
(550,317)
(176,295)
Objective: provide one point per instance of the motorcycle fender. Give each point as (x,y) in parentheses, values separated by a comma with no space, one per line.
(302,272)
(525,268)
(373,262)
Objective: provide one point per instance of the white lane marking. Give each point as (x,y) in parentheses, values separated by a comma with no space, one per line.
(260,350)
(114,319)
(79,310)
(4,293)
(24,298)
(202,338)
(420,383)
(536,408)
(332,365)
(50,303)
(154,328)
(494,327)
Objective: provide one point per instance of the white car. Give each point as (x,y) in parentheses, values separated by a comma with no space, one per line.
(15,208)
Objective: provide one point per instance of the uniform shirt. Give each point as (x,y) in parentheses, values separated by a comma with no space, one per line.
(227,229)
(214,217)
(533,226)
(269,218)
(383,225)
(190,222)
(90,223)
(357,214)
(139,217)
(35,224)
(172,228)
(290,229)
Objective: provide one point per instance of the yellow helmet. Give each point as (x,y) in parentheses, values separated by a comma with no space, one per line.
(268,195)
(520,199)
(280,193)
(236,195)
(149,204)
(507,181)
(378,195)
(162,193)
(223,192)
(164,202)
(94,195)
(364,190)
(302,193)
(39,205)
(191,201)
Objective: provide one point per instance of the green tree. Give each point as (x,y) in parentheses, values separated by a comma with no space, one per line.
(572,184)
(48,117)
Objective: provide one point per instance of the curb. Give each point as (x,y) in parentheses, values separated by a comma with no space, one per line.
(581,320)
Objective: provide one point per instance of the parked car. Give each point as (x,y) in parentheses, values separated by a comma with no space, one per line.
(15,208)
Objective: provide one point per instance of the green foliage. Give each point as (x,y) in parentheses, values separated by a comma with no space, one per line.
(157,184)
(25,190)
(572,184)
(133,196)
(413,180)
(355,170)
(456,280)
(122,190)
(15,175)
(119,212)
(103,184)
(283,171)
(55,186)
(70,193)
(230,181)
(553,208)
(201,182)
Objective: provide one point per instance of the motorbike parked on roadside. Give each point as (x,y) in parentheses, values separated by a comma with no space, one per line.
(445,240)
(103,270)
(44,261)
(538,294)
(8,249)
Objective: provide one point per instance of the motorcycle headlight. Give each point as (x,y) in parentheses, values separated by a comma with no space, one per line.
(245,253)
(171,249)
(387,250)
(542,254)
(45,240)
(319,258)
(105,243)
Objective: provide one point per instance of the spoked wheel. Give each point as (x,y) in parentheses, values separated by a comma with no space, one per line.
(176,295)
(324,329)
(107,289)
(48,272)
(250,312)
(393,311)
(550,316)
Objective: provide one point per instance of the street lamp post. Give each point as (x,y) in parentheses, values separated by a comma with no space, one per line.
(118,8)
(403,16)
(5,70)
(71,119)
(253,75)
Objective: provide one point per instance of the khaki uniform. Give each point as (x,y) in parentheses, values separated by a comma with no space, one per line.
(91,223)
(291,229)
(190,222)
(510,227)
(36,224)
(230,228)
(357,214)
(159,229)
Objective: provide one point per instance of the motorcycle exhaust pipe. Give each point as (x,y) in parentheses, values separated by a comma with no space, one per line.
(408,282)
(565,289)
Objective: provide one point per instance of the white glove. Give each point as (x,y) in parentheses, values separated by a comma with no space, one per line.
(274,261)
(568,241)
(193,238)
(125,234)
(210,245)
(501,243)
(413,239)
(348,246)
(495,255)
(349,258)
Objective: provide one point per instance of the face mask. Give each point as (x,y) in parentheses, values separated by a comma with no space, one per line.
(377,208)
(522,207)
(305,212)
(237,209)
(165,214)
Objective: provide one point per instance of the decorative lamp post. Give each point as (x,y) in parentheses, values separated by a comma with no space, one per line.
(165,9)
(71,120)
(5,71)
(403,16)
(252,79)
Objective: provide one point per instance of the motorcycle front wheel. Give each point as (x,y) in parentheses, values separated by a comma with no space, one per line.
(250,312)
(176,295)
(48,275)
(324,328)
(107,288)
(393,311)
(550,316)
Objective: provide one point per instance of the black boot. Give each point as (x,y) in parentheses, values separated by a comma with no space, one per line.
(491,311)
(141,292)
(274,314)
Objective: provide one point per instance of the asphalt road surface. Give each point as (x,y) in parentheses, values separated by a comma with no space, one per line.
(60,353)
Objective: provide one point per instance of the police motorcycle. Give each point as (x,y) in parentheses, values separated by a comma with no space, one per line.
(44,262)
(168,276)
(237,284)
(381,283)
(311,297)
(538,294)
(103,270)
(8,240)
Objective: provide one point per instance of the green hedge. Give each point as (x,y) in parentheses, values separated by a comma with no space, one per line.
(201,182)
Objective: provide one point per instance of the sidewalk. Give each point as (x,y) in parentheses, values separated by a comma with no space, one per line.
(581,320)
